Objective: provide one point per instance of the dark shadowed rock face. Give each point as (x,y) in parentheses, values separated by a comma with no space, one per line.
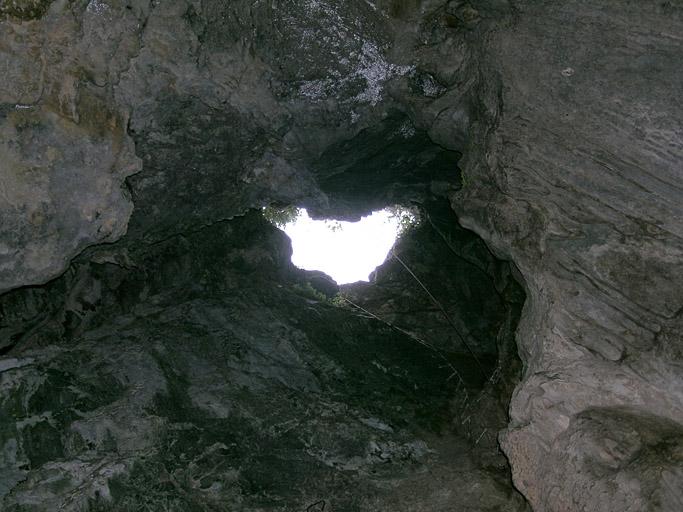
(210,374)
(440,280)
(159,350)
(442,287)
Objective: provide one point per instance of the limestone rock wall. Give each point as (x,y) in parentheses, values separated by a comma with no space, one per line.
(567,116)
(220,100)
(575,173)
(208,374)
(64,149)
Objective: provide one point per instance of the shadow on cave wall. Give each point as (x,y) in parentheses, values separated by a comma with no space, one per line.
(203,370)
(191,366)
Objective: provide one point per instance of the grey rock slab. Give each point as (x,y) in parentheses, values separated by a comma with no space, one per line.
(576,176)
(65,151)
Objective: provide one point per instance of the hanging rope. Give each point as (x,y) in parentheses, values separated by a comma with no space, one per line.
(443,312)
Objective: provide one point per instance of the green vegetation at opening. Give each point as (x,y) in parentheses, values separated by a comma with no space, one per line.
(407,217)
(280,217)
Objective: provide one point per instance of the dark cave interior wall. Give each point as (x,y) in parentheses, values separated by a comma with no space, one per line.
(567,118)
(204,370)
(188,365)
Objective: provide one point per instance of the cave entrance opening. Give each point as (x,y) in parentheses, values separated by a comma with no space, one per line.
(437,290)
(347,251)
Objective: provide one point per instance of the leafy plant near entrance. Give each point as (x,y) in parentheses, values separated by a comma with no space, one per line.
(280,217)
(407,216)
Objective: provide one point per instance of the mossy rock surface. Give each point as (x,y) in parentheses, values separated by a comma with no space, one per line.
(24,10)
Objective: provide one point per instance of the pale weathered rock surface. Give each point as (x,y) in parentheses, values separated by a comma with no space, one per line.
(64,147)
(576,173)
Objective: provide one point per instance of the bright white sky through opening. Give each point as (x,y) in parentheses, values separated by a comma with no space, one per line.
(349,253)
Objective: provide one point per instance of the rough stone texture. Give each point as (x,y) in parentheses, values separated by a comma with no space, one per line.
(450,294)
(224,118)
(219,380)
(225,111)
(574,172)
(64,147)
(270,123)
(463,309)
(568,119)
